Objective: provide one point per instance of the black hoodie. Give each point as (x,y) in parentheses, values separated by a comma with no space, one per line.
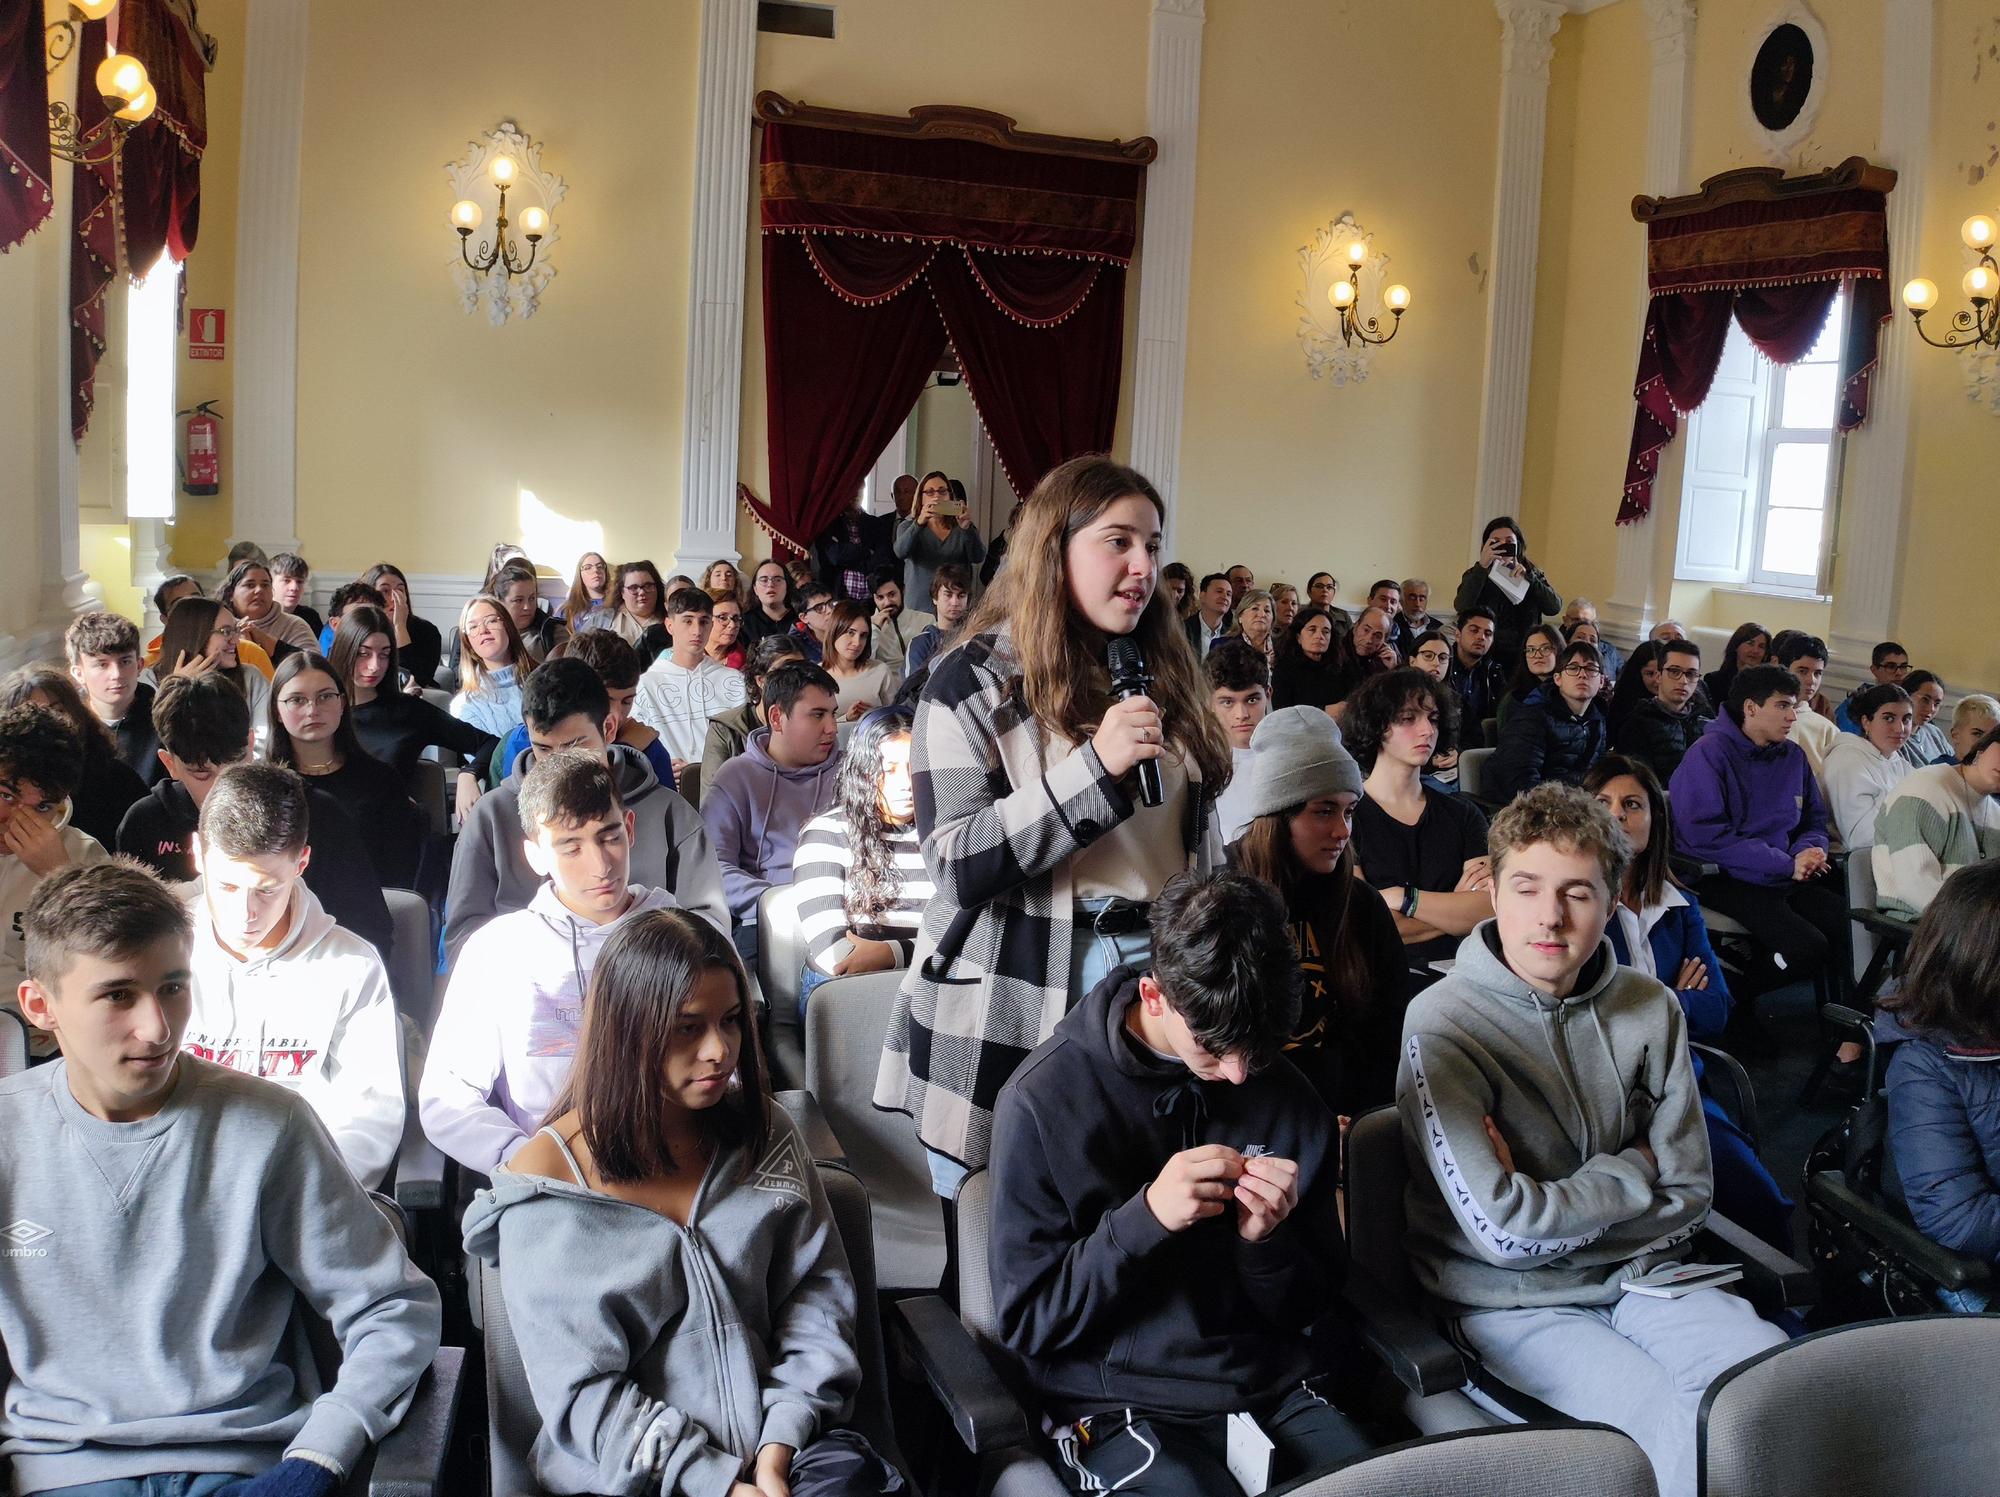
(1107,1309)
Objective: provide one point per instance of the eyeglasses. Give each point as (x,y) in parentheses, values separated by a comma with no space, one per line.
(1679,672)
(639,587)
(297,703)
(814,608)
(1582,672)
(231,636)
(1541,652)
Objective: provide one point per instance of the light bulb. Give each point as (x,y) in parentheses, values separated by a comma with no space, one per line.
(140,106)
(503,170)
(1920,295)
(121,76)
(534,223)
(1977,232)
(1357,254)
(93,10)
(1341,294)
(1397,298)
(1980,283)
(465,215)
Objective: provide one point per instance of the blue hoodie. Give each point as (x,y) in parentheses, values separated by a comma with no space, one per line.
(1750,811)
(755,811)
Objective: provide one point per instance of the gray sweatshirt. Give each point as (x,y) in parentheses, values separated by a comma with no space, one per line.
(1573,1087)
(150,1271)
(664,1356)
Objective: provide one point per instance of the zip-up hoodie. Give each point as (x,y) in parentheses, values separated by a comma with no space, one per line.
(755,811)
(1106,1307)
(1748,810)
(665,1356)
(670,850)
(315,1015)
(1573,1086)
(507,1031)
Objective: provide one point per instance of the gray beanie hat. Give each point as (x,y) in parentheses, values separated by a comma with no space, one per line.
(1296,756)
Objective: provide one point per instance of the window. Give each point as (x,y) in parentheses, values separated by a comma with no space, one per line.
(150,348)
(1761,467)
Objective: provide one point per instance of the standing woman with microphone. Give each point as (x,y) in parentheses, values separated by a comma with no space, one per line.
(1026,762)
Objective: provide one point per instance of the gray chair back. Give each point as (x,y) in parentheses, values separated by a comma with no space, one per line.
(13,1043)
(1887,1408)
(1861,896)
(688,784)
(781,951)
(1377,1174)
(412,958)
(1472,770)
(431,788)
(1522,1460)
(845,1022)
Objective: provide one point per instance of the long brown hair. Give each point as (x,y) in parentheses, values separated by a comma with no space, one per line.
(643,976)
(472,671)
(1061,654)
(1951,982)
(1264,851)
(579,602)
(1652,870)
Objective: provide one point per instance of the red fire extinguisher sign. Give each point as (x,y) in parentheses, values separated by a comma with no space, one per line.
(205,332)
(201,451)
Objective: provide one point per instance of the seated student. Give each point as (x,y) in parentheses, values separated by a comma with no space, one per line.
(1239,694)
(859,868)
(1888,664)
(1860,771)
(896,626)
(247,592)
(1659,729)
(1657,929)
(511,1015)
(1804,655)
(196,1213)
(170,591)
(1475,674)
(280,990)
(311,733)
(1943,1091)
(491,667)
(1541,646)
(1545,1173)
(1210,619)
(103,654)
(1163,1179)
(1422,848)
(567,706)
(1972,719)
(1580,614)
(771,605)
(39,761)
(419,645)
(204,728)
(203,637)
(1745,800)
(761,800)
(289,576)
(682,689)
(106,787)
(1303,790)
(951,601)
(815,625)
(591,600)
(1430,652)
(1308,670)
(617,665)
(1928,743)
(1558,732)
(351,595)
(1749,645)
(1363,651)
(728,732)
(397,726)
(518,587)
(666,1362)
(1637,682)
(864,682)
(1941,818)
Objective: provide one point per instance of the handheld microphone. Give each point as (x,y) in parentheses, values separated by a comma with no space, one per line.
(1129,679)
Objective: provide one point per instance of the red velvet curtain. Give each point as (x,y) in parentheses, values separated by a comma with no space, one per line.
(1775,267)
(24,123)
(878,249)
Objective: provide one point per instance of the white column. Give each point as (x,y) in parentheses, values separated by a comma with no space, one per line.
(1527,43)
(69,590)
(1640,594)
(264,324)
(1173,117)
(1875,486)
(712,417)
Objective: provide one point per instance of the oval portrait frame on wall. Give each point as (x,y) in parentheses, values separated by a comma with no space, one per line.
(1785,80)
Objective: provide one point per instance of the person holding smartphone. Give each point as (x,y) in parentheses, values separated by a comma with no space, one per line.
(1498,580)
(936,532)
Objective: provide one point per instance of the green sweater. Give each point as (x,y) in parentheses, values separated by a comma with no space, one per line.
(1929,827)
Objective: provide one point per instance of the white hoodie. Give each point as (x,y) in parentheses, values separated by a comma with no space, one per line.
(507,1031)
(314,1015)
(677,703)
(17,887)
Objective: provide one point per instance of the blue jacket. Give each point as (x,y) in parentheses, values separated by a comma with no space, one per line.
(1748,810)
(1679,934)
(1543,739)
(1944,1138)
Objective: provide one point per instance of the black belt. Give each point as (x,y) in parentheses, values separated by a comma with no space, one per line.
(1113,916)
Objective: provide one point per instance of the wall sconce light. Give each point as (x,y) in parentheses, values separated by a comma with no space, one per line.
(1981,285)
(120,80)
(1343,270)
(501,162)
(1346,296)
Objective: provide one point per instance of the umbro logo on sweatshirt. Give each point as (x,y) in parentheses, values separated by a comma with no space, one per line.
(783,1171)
(23,1239)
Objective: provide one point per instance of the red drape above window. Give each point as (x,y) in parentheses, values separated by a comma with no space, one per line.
(879,248)
(1775,265)
(24,123)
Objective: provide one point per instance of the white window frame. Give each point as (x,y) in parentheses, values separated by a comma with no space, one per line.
(152,430)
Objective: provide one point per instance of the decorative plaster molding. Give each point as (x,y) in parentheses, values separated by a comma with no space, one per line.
(1982,375)
(1780,145)
(1324,262)
(1670,29)
(1528,37)
(471,177)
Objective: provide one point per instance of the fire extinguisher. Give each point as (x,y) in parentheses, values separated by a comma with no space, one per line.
(201,450)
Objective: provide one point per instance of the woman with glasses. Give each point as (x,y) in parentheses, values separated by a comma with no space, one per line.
(312,731)
(935,533)
(1558,732)
(725,627)
(642,601)
(590,603)
(1430,653)
(490,668)
(1537,667)
(201,637)
(770,611)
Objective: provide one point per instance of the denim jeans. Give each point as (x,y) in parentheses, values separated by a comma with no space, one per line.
(167,1484)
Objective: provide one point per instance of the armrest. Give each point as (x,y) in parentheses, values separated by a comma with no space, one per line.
(1771,1280)
(980,1406)
(821,1141)
(1891,1232)
(1408,1343)
(1888,927)
(420,1174)
(410,1461)
(1692,870)
(1739,1082)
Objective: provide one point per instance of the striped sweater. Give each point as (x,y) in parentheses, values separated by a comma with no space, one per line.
(820,867)
(1929,827)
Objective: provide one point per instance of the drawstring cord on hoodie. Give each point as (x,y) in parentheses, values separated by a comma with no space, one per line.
(1188,1100)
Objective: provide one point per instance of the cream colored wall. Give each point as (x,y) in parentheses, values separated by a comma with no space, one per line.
(26,411)
(891,54)
(1309,109)
(944,432)
(420,426)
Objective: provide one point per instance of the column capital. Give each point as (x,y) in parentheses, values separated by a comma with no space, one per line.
(1194,10)
(1528,36)
(1670,28)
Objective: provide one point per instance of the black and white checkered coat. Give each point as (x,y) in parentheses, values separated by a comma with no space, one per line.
(991,971)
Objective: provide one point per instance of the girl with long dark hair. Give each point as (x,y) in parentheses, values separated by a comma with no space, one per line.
(393,725)
(1307,673)
(590,602)
(1541,646)
(201,636)
(1527,596)
(1749,645)
(770,609)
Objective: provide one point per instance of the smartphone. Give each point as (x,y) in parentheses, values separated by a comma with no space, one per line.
(950,507)
(1512,548)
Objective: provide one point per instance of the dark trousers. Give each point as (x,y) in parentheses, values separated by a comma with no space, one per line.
(1803,923)
(1187,1458)
(841,1463)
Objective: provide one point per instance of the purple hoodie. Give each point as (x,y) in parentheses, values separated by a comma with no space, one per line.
(754,812)
(1748,810)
